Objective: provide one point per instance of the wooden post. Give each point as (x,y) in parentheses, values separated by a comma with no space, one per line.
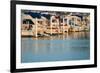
(51,25)
(63,26)
(58,26)
(67,21)
(68,25)
(75,22)
(36,27)
(28,28)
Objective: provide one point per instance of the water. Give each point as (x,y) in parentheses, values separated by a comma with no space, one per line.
(68,47)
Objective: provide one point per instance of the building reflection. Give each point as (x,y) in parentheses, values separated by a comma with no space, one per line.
(52,44)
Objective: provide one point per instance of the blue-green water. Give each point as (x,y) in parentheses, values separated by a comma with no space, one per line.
(71,46)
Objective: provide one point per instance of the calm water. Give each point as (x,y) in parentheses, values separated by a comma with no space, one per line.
(71,46)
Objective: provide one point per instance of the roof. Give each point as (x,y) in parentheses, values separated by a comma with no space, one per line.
(38,15)
(80,14)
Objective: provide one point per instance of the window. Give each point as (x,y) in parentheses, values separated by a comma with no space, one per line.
(54,21)
(65,20)
(72,19)
(70,22)
(27,21)
(40,22)
(78,19)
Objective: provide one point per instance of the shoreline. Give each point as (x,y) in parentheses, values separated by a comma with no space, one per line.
(49,35)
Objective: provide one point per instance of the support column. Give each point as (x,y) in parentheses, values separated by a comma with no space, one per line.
(63,26)
(58,24)
(68,25)
(75,22)
(36,28)
(67,21)
(51,25)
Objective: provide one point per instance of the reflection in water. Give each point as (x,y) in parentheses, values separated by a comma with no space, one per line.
(71,46)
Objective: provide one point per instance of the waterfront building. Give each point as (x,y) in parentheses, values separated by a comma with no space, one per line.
(38,23)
